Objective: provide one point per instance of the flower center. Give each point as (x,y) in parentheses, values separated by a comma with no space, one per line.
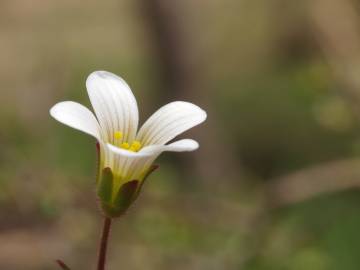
(134,146)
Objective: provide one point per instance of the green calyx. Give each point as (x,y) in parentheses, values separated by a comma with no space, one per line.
(116,205)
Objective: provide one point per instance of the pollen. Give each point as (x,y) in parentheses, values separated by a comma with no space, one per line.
(125,145)
(118,135)
(135,146)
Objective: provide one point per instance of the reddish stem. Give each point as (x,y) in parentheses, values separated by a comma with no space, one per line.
(62,265)
(103,244)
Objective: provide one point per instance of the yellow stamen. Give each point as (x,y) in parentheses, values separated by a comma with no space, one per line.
(135,146)
(118,135)
(125,145)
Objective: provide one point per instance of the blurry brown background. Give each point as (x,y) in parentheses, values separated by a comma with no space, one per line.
(275,182)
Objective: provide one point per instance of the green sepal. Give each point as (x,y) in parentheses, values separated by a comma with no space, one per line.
(122,200)
(125,196)
(105,185)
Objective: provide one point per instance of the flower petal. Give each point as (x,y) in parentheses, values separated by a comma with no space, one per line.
(126,165)
(124,152)
(76,116)
(114,105)
(154,151)
(184,145)
(170,121)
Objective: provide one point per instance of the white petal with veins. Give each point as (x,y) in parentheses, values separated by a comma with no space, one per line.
(154,151)
(184,145)
(126,165)
(76,116)
(114,104)
(170,121)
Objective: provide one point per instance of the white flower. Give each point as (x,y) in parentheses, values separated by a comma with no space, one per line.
(127,151)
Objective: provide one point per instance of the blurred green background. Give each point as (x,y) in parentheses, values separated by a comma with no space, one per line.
(275,182)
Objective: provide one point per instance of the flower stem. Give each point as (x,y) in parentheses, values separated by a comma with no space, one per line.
(103,244)
(62,265)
